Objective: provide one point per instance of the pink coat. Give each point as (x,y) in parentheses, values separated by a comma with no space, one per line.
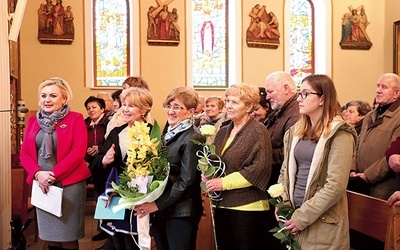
(71,149)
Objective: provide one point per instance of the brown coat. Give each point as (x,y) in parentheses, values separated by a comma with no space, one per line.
(374,140)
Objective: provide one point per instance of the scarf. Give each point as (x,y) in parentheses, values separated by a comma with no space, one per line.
(182,126)
(48,124)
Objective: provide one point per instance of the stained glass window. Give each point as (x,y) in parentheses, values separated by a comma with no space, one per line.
(111,42)
(301,39)
(209,38)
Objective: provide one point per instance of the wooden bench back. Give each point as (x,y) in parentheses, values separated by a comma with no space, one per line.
(371,216)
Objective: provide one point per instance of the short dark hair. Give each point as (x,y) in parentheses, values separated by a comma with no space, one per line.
(100,101)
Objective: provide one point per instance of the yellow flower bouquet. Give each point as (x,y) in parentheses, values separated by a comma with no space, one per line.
(145,175)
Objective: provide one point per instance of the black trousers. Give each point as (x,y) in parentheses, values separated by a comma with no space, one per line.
(244,230)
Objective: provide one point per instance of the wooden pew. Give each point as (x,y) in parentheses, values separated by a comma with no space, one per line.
(371,216)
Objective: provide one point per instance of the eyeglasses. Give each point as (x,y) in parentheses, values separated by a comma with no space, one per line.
(305,93)
(175,108)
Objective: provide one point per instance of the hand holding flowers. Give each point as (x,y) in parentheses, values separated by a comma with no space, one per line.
(209,163)
(284,212)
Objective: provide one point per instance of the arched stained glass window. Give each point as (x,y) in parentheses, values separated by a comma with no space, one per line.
(301,39)
(209,41)
(111,40)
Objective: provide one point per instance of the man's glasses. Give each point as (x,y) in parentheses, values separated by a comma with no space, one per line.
(305,93)
(175,108)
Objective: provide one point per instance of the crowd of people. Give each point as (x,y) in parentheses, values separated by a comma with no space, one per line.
(302,138)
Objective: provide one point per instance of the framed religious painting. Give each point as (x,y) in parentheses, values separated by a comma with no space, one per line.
(396,47)
(55,22)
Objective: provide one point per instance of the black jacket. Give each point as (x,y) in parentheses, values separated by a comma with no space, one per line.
(182,195)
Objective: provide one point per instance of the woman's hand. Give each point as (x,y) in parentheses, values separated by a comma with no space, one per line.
(145,209)
(108,201)
(213,185)
(92,151)
(45,179)
(109,156)
(291,226)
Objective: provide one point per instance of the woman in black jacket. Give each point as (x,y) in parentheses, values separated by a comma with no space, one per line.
(178,210)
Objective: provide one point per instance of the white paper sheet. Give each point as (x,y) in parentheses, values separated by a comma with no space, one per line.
(50,202)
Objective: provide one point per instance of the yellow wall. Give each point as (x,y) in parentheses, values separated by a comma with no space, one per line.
(354,72)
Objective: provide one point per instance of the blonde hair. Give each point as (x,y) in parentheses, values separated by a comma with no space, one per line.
(248,93)
(220,102)
(63,85)
(139,97)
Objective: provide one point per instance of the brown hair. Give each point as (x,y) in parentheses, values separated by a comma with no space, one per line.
(136,81)
(324,86)
(188,96)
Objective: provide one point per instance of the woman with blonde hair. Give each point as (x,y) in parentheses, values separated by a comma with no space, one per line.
(53,153)
(245,147)
(319,151)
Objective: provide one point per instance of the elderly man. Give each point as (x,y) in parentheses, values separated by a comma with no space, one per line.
(107,99)
(281,94)
(380,127)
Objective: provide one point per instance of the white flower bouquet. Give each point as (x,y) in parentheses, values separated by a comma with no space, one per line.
(209,163)
(284,213)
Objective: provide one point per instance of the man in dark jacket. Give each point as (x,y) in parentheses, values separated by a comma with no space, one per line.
(281,94)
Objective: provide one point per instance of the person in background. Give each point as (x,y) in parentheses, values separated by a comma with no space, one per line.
(319,150)
(177,212)
(262,110)
(108,101)
(380,127)
(117,101)
(245,147)
(96,125)
(136,104)
(355,112)
(135,81)
(199,112)
(53,151)
(281,95)
(214,110)
(117,120)
(393,158)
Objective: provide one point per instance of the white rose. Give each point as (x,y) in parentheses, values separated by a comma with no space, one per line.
(275,190)
(207,130)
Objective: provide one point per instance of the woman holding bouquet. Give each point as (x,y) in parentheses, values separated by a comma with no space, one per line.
(178,210)
(241,216)
(136,104)
(319,151)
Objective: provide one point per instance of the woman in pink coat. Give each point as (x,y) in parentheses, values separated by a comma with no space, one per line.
(53,153)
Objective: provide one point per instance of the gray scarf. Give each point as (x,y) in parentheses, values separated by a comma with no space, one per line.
(48,124)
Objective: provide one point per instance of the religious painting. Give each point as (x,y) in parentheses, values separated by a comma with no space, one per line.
(55,23)
(354,29)
(163,27)
(396,47)
(263,30)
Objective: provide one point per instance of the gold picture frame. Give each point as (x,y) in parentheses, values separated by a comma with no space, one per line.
(396,47)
